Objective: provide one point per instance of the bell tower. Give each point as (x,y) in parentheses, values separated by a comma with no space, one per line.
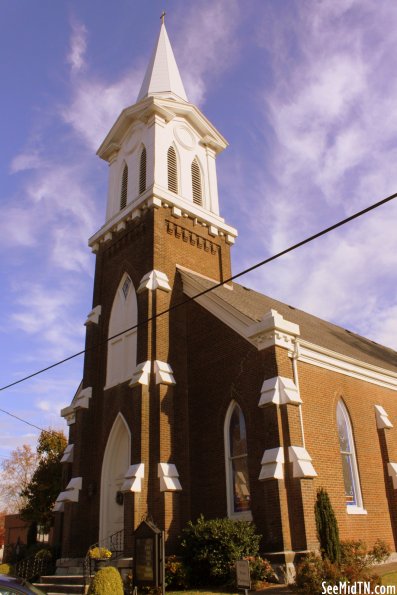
(162,213)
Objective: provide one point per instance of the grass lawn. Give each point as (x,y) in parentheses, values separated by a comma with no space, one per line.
(389,579)
(198,591)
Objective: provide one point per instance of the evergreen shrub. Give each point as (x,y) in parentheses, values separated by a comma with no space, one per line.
(327,527)
(210,548)
(106,581)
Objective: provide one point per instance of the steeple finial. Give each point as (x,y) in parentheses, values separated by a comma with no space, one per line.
(162,76)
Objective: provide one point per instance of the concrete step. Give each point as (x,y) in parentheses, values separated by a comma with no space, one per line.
(61,584)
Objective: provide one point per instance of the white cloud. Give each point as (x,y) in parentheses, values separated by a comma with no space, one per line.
(206,50)
(78,46)
(48,314)
(333,152)
(25,161)
(16,228)
(96,104)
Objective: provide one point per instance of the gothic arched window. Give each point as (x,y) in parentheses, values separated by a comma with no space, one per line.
(124,188)
(196,183)
(349,463)
(172,170)
(142,171)
(238,489)
(121,360)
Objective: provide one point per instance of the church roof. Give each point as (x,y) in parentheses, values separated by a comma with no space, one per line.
(255,305)
(162,75)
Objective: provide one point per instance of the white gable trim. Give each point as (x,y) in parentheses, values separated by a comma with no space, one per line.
(348,366)
(273,329)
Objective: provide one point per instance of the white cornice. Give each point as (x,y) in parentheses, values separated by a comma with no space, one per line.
(156,197)
(167,109)
(343,364)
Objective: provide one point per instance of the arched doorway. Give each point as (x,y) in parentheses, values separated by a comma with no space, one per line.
(115,463)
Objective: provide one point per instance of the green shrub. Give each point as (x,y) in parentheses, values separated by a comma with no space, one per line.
(106,581)
(312,571)
(327,527)
(260,570)
(176,574)
(355,565)
(6,569)
(210,548)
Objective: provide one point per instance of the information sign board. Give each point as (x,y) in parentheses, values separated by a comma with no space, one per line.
(243,574)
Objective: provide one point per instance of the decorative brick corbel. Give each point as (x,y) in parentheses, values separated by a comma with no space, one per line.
(133,478)
(272,464)
(67,456)
(279,391)
(93,316)
(392,471)
(154,280)
(164,373)
(382,418)
(71,493)
(141,374)
(301,462)
(169,478)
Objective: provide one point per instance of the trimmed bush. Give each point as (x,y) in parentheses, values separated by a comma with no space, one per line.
(327,527)
(6,569)
(210,548)
(106,581)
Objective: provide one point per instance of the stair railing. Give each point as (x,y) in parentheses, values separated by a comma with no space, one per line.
(114,543)
(34,566)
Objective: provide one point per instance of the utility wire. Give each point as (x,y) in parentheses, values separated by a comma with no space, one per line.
(201,293)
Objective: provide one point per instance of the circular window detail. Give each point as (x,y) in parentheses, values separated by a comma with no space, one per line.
(185,137)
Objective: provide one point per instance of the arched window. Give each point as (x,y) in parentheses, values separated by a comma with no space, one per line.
(348,454)
(142,171)
(121,360)
(124,188)
(172,170)
(238,489)
(196,183)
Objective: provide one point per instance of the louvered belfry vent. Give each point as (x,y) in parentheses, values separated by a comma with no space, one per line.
(124,188)
(142,171)
(172,170)
(196,183)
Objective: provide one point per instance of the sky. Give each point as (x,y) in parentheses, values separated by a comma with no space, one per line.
(304,91)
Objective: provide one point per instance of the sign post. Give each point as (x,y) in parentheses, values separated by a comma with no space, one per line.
(243,575)
(148,556)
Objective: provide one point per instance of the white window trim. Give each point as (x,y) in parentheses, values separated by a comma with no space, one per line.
(126,374)
(350,509)
(237,516)
(357,508)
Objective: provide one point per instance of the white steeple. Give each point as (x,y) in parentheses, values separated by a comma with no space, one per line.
(162,76)
(161,153)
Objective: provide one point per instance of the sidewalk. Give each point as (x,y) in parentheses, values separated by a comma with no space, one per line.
(385,568)
(277,590)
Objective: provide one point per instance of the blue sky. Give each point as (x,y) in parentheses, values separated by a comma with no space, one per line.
(304,91)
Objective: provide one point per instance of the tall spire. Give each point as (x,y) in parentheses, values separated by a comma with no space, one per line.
(162,75)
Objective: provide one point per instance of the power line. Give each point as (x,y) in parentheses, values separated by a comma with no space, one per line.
(201,293)
(22,420)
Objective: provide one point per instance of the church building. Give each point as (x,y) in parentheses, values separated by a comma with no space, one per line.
(200,395)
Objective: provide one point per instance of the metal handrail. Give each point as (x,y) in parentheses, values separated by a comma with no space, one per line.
(34,566)
(114,543)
